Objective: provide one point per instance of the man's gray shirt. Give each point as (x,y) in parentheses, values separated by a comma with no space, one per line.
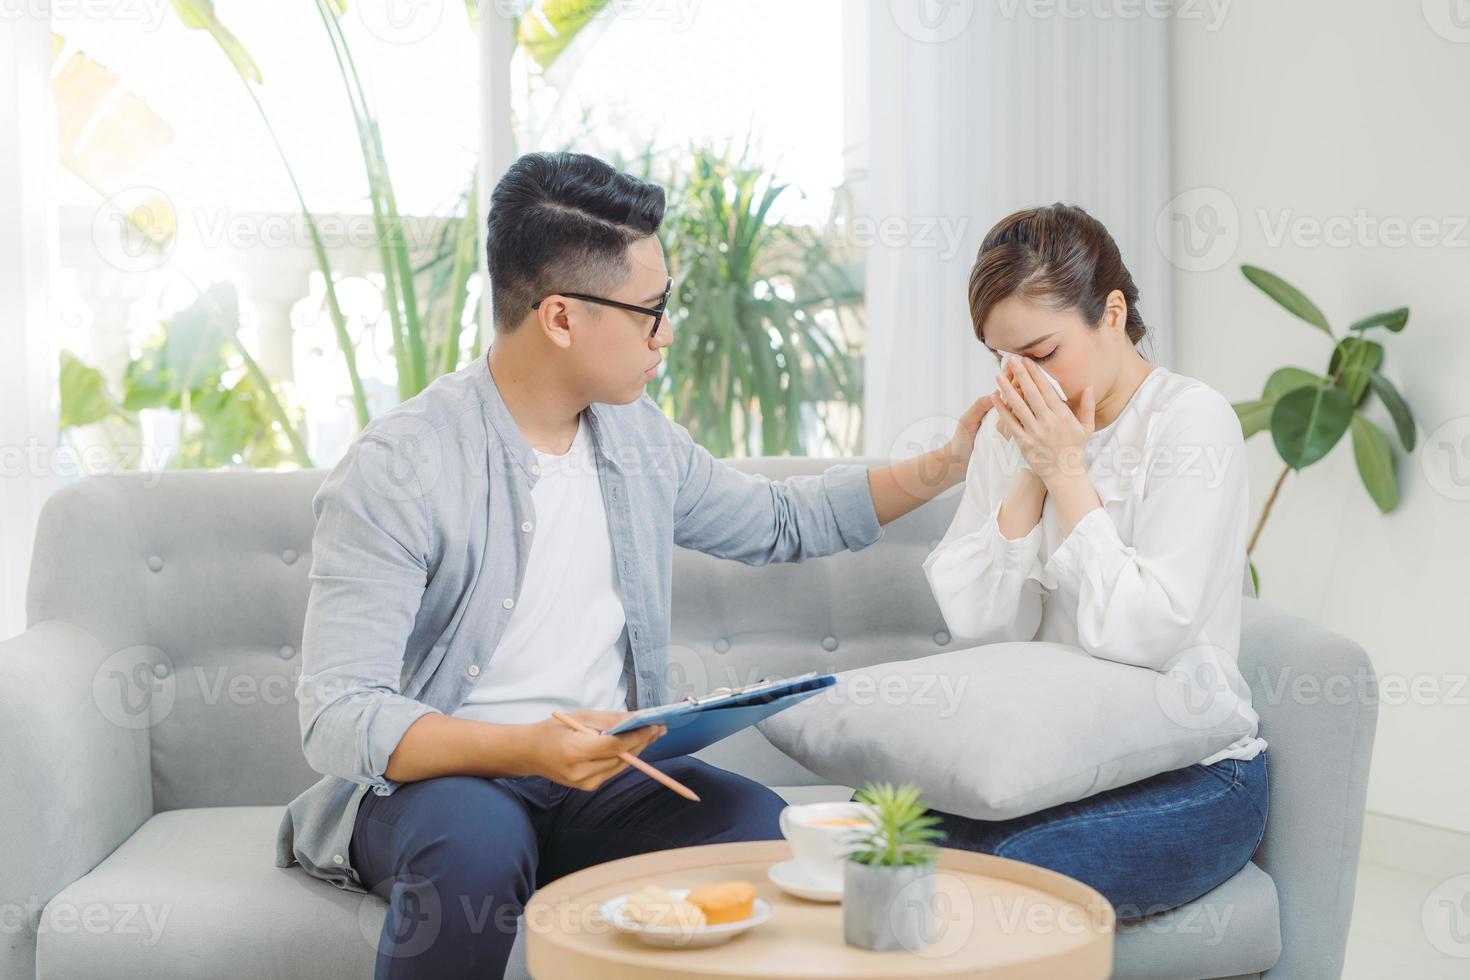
(423,531)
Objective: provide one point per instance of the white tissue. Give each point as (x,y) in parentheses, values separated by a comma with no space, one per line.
(1006,357)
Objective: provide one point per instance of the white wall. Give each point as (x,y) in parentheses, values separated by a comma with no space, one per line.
(27,245)
(1306,111)
(973,111)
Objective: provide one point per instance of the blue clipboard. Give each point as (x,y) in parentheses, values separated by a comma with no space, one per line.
(697,722)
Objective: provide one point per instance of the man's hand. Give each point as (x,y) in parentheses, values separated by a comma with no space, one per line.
(899,488)
(579,760)
(962,445)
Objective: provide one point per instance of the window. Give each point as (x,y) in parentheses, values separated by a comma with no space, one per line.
(712,101)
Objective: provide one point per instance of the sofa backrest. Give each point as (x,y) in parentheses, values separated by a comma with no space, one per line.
(199,580)
(733,623)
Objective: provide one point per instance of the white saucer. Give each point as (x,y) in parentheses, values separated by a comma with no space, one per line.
(790,878)
(680,936)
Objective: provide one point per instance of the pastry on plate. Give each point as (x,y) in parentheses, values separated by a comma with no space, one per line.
(724,901)
(654,906)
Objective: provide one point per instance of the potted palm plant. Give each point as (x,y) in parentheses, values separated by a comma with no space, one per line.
(888,880)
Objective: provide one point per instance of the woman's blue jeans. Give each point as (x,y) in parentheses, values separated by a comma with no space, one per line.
(1148,846)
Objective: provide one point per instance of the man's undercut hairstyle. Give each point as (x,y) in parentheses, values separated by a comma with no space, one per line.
(562,222)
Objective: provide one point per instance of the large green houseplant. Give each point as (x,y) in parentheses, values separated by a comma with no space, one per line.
(228,412)
(766,316)
(1308,413)
(425,296)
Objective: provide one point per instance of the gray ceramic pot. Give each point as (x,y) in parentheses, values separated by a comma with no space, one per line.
(888,908)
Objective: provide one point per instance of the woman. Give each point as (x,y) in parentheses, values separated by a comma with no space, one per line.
(1113,521)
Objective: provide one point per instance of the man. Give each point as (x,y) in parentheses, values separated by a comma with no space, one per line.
(499,547)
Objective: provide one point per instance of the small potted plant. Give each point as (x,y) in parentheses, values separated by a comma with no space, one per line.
(888,880)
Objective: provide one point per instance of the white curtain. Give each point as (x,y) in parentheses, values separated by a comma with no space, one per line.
(27,243)
(975,109)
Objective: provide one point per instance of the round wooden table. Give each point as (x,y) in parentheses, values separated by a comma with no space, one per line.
(998,919)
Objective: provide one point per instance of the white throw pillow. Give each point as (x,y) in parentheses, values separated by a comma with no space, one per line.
(1006,729)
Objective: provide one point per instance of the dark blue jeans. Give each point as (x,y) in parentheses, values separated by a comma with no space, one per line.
(457,857)
(1148,846)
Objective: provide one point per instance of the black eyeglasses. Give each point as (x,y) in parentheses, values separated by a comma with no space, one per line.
(657,312)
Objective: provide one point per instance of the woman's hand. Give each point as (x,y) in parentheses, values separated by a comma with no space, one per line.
(1020,511)
(1049,434)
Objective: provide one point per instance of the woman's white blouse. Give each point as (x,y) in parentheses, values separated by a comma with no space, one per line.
(1153,578)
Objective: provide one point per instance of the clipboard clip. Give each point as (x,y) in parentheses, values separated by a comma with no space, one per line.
(720,693)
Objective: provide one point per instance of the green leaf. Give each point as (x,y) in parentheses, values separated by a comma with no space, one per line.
(1255,578)
(84,397)
(1293,300)
(1393,320)
(199,337)
(198,15)
(1353,359)
(1254,416)
(1287,379)
(147,383)
(902,832)
(545,30)
(767,318)
(1307,423)
(1403,421)
(1375,463)
(276,412)
(227,418)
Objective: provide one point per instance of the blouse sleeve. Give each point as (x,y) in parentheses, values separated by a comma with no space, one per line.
(979,577)
(1142,602)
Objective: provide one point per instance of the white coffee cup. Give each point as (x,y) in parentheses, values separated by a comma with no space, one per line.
(821,838)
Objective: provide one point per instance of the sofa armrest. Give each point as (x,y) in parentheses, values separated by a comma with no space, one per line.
(1317,697)
(76,774)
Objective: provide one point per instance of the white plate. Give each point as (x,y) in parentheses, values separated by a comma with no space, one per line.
(790,878)
(680,936)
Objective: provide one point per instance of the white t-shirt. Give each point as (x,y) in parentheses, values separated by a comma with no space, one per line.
(564,645)
(1153,578)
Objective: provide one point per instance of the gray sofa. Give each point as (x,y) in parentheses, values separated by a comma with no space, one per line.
(150,737)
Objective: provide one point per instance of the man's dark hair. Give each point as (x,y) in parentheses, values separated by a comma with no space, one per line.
(563,222)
